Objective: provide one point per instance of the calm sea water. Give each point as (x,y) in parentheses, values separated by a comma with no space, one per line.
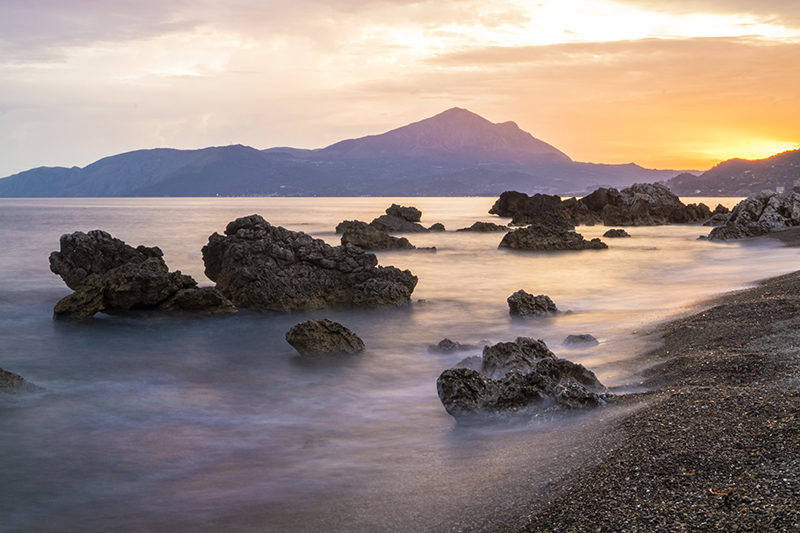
(172,424)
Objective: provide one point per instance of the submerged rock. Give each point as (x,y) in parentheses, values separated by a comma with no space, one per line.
(526,305)
(369,237)
(256,264)
(11,383)
(581,340)
(616,234)
(323,337)
(448,346)
(521,379)
(548,238)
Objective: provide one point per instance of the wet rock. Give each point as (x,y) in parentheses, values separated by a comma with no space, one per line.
(524,382)
(548,238)
(368,237)
(526,305)
(259,265)
(323,337)
(581,340)
(199,300)
(411,214)
(11,383)
(616,234)
(758,215)
(97,252)
(392,224)
(448,346)
(437,227)
(485,227)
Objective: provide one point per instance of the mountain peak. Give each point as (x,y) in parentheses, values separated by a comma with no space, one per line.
(454,133)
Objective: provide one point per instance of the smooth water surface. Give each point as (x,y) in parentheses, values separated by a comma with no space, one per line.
(157,423)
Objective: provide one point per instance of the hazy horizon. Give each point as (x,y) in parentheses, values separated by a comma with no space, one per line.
(677,85)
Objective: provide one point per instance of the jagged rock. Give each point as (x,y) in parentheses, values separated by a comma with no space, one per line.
(526,380)
(485,227)
(758,215)
(392,224)
(720,210)
(616,234)
(259,265)
(526,305)
(11,383)
(719,219)
(474,362)
(96,252)
(368,237)
(448,346)
(581,340)
(411,214)
(323,337)
(437,227)
(143,282)
(548,238)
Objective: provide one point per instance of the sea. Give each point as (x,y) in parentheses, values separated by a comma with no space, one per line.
(152,422)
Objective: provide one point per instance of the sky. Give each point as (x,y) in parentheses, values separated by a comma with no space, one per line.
(673,84)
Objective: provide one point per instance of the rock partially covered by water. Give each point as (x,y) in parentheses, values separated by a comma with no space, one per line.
(411,214)
(96,252)
(548,238)
(11,383)
(758,215)
(616,234)
(521,380)
(259,265)
(323,337)
(583,339)
(400,219)
(437,227)
(448,346)
(140,280)
(527,305)
(485,227)
(369,237)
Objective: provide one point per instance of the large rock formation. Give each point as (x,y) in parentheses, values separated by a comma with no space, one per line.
(527,305)
(517,380)
(369,237)
(107,275)
(259,265)
(548,238)
(641,204)
(758,215)
(323,337)
(11,383)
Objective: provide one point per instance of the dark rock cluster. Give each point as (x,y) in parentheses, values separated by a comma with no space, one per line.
(517,381)
(323,337)
(548,238)
(758,215)
(256,264)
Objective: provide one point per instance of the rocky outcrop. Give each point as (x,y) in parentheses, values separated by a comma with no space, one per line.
(758,215)
(583,339)
(323,337)
(400,219)
(485,227)
(448,346)
(548,238)
(518,380)
(256,264)
(526,305)
(119,277)
(11,383)
(641,204)
(616,234)
(411,214)
(369,237)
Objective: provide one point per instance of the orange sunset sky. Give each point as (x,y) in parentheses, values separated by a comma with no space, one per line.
(665,84)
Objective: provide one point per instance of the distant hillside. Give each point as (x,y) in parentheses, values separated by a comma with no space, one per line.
(455,153)
(741,177)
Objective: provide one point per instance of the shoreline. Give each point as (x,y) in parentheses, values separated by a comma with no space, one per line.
(714,445)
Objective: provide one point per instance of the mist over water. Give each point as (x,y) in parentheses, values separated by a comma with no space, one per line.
(162,423)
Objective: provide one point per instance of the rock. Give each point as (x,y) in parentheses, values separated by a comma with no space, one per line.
(758,215)
(437,227)
(526,305)
(720,210)
(259,265)
(616,233)
(96,252)
(411,214)
(368,237)
(719,219)
(581,340)
(448,346)
(11,383)
(392,224)
(526,380)
(548,238)
(143,282)
(323,337)
(474,362)
(485,227)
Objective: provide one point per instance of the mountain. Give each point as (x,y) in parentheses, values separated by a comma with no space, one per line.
(455,153)
(741,177)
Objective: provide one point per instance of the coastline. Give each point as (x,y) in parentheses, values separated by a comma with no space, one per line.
(714,444)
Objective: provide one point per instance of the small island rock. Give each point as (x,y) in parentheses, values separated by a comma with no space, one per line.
(323,337)
(485,227)
(548,238)
(581,340)
(369,237)
(526,305)
(616,234)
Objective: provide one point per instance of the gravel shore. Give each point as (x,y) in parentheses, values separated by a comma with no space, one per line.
(715,445)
